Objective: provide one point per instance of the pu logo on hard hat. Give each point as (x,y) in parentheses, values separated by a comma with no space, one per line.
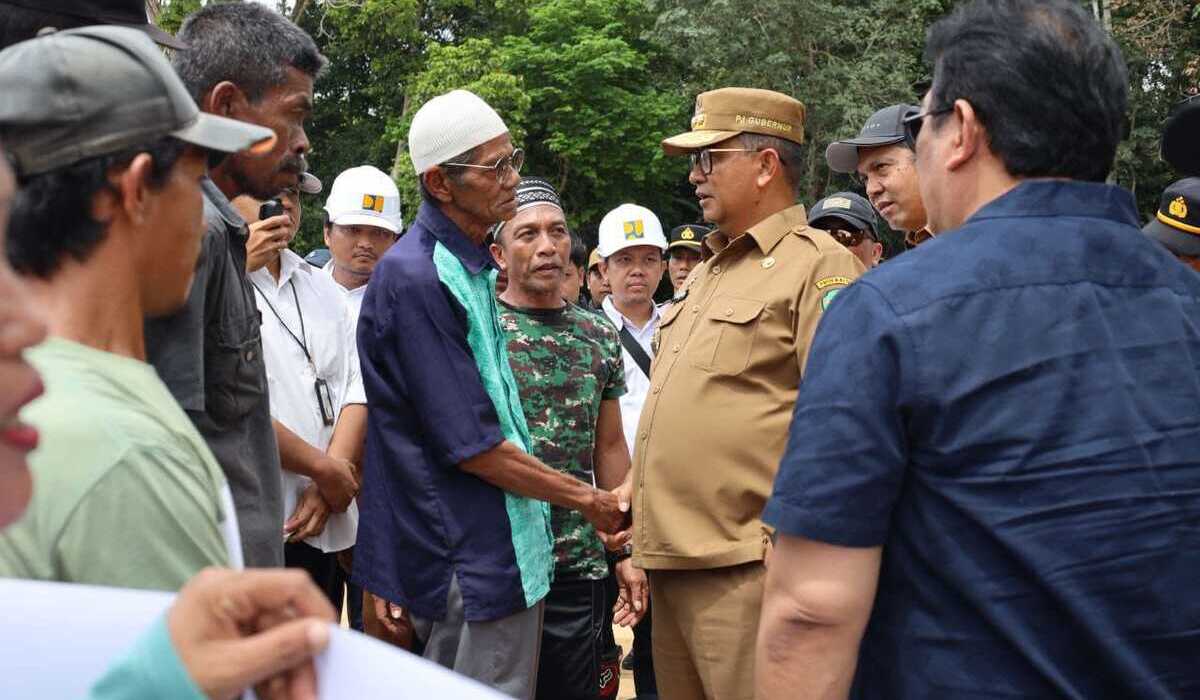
(373,202)
(634,230)
(687,235)
(1178,208)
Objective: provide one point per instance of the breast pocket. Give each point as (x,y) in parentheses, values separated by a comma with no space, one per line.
(234,373)
(724,337)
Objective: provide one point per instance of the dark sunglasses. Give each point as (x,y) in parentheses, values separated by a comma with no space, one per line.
(848,238)
(914,122)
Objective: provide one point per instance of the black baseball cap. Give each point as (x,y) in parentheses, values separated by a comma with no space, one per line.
(1181,137)
(844,208)
(688,236)
(1176,224)
(128,13)
(883,128)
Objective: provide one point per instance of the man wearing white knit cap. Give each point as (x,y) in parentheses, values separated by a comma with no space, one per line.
(455,525)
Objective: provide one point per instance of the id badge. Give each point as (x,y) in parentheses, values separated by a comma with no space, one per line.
(324,400)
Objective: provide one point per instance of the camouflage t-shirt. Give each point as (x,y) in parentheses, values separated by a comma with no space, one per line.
(566,361)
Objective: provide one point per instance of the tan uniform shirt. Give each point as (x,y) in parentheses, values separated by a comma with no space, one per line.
(723,385)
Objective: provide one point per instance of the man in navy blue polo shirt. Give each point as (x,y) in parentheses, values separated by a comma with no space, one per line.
(992,483)
(453,519)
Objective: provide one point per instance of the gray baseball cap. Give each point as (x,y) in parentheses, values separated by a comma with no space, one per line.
(846,207)
(883,128)
(95,91)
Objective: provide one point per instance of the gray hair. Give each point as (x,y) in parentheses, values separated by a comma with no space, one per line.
(245,43)
(791,154)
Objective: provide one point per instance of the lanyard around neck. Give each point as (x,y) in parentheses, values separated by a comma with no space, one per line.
(301,339)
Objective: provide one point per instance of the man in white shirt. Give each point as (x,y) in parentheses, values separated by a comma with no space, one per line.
(317,400)
(631,249)
(362,220)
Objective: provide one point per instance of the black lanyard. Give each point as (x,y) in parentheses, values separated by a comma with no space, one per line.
(303,335)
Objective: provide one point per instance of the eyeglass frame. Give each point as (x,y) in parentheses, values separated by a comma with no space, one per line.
(911,132)
(500,168)
(699,156)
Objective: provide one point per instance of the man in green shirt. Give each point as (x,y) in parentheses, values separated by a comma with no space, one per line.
(569,372)
(106,229)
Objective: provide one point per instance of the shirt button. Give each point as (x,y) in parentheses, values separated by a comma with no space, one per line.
(676,348)
(728,312)
(644,436)
(695,308)
(249,356)
(655,389)
(716,270)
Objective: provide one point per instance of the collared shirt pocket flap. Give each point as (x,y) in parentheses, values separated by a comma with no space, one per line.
(734,310)
(724,339)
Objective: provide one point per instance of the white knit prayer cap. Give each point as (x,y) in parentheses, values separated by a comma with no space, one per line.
(451,124)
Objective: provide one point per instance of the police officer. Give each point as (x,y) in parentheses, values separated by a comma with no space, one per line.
(683,253)
(851,221)
(731,352)
(884,162)
(1176,224)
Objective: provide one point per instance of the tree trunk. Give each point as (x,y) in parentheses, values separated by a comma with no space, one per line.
(402,143)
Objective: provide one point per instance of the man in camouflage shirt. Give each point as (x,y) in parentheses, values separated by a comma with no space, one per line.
(567,363)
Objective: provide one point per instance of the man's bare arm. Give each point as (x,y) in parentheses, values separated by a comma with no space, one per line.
(817,602)
(350,434)
(611,455)
(507,467)
(334,477)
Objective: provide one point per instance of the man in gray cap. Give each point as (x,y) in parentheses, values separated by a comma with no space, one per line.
(248,62)
(23,19)
(884,162)
(128,493)
(851,221)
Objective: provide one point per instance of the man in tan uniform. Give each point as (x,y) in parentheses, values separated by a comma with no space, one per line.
(734,345)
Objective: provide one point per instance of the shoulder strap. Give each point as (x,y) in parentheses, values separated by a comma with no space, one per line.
(639,355)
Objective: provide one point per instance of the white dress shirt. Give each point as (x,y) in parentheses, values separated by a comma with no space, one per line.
(637,384)
(353,297)
(325,326)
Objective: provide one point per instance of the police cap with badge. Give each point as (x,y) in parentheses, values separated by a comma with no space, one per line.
(687,236)
(1176,224)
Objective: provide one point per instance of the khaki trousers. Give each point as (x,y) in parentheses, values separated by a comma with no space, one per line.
(705,628)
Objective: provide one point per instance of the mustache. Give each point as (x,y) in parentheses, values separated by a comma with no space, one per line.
(294,164)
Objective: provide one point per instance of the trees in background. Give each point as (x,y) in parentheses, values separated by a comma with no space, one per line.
(589,87)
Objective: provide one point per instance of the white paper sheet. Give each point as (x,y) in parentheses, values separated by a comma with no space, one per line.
(57,639)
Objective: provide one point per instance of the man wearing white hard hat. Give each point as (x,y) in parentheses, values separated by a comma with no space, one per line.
(455,525)
(362,220)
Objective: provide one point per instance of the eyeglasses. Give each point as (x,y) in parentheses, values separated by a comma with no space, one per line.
(914,122)
(703,157)
(509,163)
(848,238)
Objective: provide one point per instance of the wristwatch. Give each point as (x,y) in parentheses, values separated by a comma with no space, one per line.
(625,552)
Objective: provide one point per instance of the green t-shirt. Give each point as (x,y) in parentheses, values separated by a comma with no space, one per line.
(125,492)
(566,361)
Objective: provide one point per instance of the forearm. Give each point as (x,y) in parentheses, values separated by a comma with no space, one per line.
(296,455)
(350,434)
(505,466)
(612,464)
(797,658)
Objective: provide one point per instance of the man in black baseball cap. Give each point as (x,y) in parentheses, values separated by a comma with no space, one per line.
(1176,224)
(683,252)
(851,221)
(23,19)
(884,162)
(1181,137)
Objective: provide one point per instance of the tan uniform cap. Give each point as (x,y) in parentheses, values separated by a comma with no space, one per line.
(725,113)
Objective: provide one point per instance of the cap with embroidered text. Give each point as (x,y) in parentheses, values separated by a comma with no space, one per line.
(725,113)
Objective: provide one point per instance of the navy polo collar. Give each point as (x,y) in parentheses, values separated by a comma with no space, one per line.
(1054,198)
(476,258)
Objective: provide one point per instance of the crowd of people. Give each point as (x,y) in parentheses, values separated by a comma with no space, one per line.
(970,471)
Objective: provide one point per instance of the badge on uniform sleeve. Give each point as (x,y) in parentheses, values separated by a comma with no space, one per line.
(831,286)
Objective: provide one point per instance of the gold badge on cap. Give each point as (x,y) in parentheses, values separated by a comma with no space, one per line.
(687,235)
(634,230)
(1178,208)
(373,202)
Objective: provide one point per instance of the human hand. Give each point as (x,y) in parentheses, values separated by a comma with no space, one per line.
(310,516)
(339,482)
(633,594)
(394,624)
(617,541)
(267,238)
(606,512)
(236,629)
